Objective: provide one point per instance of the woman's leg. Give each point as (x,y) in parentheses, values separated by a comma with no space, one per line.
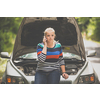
(54,77)
(40,77)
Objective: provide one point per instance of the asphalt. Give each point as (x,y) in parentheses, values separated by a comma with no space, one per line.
(90,45)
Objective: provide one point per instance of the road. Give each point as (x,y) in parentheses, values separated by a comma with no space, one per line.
(89,45)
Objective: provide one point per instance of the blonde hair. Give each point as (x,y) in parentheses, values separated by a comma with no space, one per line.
(49,29)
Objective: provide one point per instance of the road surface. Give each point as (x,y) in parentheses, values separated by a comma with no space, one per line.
(89,45)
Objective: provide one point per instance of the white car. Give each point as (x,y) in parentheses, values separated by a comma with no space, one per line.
(21,65)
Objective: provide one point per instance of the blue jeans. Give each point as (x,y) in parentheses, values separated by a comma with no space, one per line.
(52,77)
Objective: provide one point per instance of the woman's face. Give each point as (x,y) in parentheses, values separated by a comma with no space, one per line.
(50,36)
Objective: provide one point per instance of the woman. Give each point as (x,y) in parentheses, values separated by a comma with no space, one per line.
(50,60)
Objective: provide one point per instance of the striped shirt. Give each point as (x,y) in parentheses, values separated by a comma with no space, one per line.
(52,60)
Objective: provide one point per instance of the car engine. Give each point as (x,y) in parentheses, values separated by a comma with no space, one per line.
(30,69)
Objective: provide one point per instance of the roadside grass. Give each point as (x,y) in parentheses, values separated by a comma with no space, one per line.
(1,74)
(2,67)
(89,39)
(98,42)
(3,61)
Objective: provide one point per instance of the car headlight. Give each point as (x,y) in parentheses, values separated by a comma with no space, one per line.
(86,79)
(14,80)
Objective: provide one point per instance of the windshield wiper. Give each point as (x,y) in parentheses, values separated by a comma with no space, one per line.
(72,59)
(26,59)
(23,59)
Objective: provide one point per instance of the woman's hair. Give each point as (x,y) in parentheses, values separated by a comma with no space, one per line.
(49,29)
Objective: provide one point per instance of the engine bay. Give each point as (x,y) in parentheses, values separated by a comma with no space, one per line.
(30,69)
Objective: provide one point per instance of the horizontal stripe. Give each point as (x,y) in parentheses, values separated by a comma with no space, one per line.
(41,45)
(38,47)
(51,60)
(45,64)
(52,56)
(47,69)
(61,54)
(60,50)
(53,53)
(56,46)
(39,52)
(54,49)
(51,50)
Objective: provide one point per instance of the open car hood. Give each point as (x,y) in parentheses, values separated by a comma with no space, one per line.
(31,30)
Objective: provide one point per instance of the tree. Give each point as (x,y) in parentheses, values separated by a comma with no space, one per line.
(8,30)
(83,23)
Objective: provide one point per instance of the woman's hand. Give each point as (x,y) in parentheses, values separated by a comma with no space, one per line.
(65,75)
(45,41)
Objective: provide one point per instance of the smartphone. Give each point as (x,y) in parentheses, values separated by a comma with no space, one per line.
(46,39)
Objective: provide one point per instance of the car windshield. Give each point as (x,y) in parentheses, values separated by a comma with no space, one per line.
(66,55)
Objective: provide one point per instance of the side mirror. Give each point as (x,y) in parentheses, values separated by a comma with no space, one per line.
(4,55)
(91,53)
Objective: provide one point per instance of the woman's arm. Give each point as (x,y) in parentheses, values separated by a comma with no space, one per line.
(41,53)
(44,49)
(62,65)
(65,75)
(63,68)
(45,46)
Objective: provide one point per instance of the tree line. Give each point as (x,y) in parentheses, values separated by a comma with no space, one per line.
(8,30)
(90,26)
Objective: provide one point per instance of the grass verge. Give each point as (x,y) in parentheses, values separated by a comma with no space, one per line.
(2,67)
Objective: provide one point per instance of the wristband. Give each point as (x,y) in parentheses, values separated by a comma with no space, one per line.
(63,72)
